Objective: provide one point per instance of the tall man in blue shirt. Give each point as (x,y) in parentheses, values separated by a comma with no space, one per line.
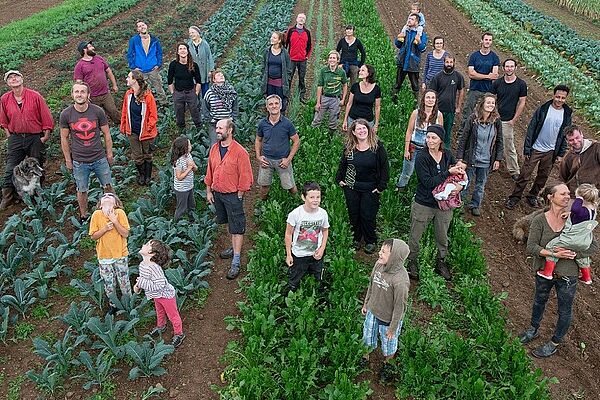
(482,70)
(145,54)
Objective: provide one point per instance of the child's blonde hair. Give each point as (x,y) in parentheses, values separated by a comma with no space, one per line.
(416,5)
(588,193)
(118,203)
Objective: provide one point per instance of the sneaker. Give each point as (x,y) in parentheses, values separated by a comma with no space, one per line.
(515,177)
(177,339)
(227,253)
(442,269)
(533,202)
(234,271)
(370,248)
(476,211)
(400,189)
(545,350)
(527,336)
(158,330)
(386,374)
(511,202)
(413,271)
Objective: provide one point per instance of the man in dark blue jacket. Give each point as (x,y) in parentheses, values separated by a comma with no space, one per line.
(408,59)
(545,144)
(145,54)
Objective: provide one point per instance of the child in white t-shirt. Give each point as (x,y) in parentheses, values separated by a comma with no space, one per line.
(306,237)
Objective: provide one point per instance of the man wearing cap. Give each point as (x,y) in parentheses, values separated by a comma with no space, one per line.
(145,54)
(27,121)
(93,69)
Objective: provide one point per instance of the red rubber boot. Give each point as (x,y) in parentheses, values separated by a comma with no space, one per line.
(586,276)
(548,270)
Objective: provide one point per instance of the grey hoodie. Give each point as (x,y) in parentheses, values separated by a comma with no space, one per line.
(388,287)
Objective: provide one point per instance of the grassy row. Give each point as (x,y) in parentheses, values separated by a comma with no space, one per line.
(589,8)
(465,350)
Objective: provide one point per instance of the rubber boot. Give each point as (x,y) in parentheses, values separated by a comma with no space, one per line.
(548,270)
(147,172)
(140,177)
(586,276)
(7,198)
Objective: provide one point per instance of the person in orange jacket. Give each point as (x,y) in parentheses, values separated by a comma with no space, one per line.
(138,121)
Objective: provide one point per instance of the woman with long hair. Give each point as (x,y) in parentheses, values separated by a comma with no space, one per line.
(364,101)
(138,121)
(426,114)
(277,70)
(481,147)
(184,84)
(220,102)
(201,54)
(363,174)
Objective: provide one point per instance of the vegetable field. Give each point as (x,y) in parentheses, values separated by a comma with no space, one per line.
(457,341)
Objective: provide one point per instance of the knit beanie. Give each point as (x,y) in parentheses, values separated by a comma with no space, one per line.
(438,130)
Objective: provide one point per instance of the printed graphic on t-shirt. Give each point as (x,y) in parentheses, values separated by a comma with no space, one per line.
(85,130)
(308,235)
(380,281)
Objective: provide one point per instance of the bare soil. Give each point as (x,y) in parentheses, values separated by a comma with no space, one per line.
(509,265)
(25,9)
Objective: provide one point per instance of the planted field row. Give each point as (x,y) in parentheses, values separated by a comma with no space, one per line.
(33,37)
(464,351)
(551,67)
(584,52)
(589,8)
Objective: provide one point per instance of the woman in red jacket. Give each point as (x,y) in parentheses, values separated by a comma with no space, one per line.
(138,122)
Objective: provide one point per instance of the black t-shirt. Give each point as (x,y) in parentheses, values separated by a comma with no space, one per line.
(446,86)
(135,112)
(183,78)
(222,150)
(430,174)
(349,53)
(363,103)
(508,96)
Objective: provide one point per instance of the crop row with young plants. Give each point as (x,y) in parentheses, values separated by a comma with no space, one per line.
(589,8)
(299,345)
(465,350)
(551,67)
(33,37)
(584,52)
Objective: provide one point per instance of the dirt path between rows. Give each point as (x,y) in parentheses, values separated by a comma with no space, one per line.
(16,10)
(509,266)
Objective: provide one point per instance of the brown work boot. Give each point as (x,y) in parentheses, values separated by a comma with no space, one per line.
(8,197)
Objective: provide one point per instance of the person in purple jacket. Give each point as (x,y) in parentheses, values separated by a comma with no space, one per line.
(145,54)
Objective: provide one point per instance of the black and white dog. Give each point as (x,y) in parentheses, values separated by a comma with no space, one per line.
(26,177)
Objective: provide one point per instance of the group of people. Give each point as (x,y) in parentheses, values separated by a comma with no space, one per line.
(490,109)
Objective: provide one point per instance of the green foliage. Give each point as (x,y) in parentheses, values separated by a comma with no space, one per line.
(110,333)
(147,357)
(153,391)
(4,316)
(49,380)
(14,388)
(589,8)
(98,372)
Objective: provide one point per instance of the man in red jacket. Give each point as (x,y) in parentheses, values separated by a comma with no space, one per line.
(299,44)
(27,121)
(228,177)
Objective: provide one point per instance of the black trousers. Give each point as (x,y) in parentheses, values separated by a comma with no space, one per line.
(21,145)
(302,266)
(301,67)
(413,77)
(362,212)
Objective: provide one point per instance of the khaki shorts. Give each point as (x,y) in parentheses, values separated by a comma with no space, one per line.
(286,175)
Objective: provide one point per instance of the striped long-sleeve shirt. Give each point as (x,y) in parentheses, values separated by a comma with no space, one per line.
(152,279)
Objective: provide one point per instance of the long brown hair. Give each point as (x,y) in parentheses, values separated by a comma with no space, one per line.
(138,76)
(479,110)
(351,141)
(421,116)
(190,60)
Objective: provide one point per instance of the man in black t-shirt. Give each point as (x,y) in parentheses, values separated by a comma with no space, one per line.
(81,125)
(449,85)
(512,93)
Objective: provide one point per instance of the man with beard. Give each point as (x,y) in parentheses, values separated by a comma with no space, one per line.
(228,177)
(581,164)
(449,85)
(145,54)
(93,70)
(81,125)
(511,92)
(27,122)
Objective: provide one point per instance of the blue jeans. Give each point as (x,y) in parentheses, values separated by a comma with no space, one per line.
(566,287)
(408,167)
(82,172)
(479,176)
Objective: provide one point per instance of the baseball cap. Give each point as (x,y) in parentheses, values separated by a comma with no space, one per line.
(12,71)
(82,45)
